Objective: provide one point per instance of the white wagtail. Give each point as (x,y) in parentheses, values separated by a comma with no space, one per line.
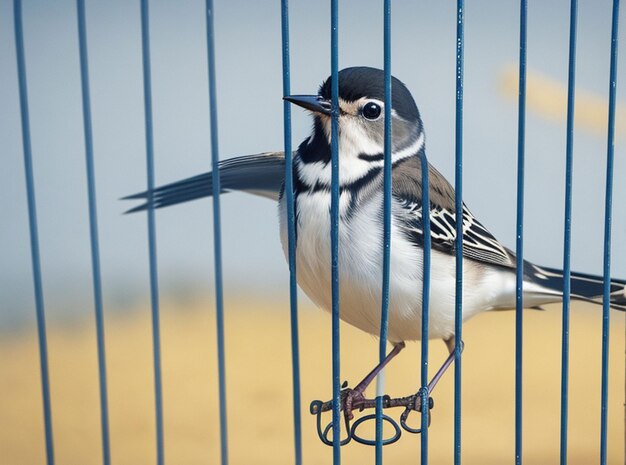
(488,266)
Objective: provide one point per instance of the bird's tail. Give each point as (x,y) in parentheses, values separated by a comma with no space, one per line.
(260,174)
(583,286)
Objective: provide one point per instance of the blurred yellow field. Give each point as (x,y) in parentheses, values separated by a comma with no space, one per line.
(259,388)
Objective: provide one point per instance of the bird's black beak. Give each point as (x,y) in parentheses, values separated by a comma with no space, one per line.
(315,103)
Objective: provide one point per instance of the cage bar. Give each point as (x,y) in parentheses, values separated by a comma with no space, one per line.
(425,410)
(610,155)
(217,233)
(519,243)
(567,231)
(458,186)
(334,225)
(291,235)
(93,231)
(152,246)
(33,231)
(386,252)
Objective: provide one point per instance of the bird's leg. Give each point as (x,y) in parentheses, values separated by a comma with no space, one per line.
(354,397)
(451,348)
(417,399)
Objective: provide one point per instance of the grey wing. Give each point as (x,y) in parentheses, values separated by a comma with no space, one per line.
(260,174)
(478,243)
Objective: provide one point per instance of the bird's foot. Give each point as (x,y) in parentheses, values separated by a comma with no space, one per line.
(419,402)
(354,399)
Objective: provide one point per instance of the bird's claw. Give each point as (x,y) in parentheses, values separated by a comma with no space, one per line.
(352,400)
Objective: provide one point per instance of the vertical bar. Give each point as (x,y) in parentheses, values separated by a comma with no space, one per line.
(519,246)
(458,186)
(93,231)
(154,280)
(607,237)
(291,236)
(34,234)
(334,223)
(387,166)
(425,307)
(217,233)
(569,166)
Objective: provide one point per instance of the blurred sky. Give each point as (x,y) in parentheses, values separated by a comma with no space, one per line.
(248,59)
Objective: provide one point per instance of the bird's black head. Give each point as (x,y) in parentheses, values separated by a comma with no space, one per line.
(361,122)
(361,117)
(362,82)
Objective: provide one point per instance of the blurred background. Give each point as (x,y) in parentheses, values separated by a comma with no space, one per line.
(249,84)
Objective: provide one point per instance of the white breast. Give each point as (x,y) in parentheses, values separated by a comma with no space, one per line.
(360,268)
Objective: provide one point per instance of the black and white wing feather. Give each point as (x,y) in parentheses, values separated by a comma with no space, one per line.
(478,243)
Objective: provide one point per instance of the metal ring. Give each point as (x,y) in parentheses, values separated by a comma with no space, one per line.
(406,427)
(316,409)
(405,415)
(369,442)
(329,426)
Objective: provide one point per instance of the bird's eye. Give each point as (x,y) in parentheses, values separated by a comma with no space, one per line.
(371,110)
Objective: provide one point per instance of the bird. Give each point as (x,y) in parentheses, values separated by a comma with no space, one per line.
(489,267)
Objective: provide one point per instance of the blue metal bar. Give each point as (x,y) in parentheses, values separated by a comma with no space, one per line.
(610,151)
(154,280)
(93,231)
(387,165)
(458,186)
(217,232)
(519,246)
(425,308)
(334,224)
(34,234)
(569,166)
(291,236)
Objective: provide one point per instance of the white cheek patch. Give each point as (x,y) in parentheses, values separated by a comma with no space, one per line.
(354,139)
